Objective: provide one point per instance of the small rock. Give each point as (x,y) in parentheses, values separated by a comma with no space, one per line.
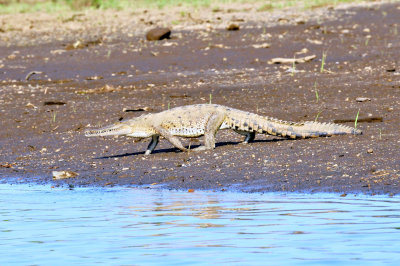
(78,44)
(167,44)
(373,169)
(54,103)
(370,150)
(318,42)
(31,148)
(363,99)
(233,27)
(283,20)
(263,45)
(63,174)
(58,51)
(302,51)
(157,34)
(7,165)
(11,56)
(94,78)
(139,109)
(30,105)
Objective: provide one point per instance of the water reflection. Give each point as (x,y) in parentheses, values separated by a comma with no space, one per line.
(125,226)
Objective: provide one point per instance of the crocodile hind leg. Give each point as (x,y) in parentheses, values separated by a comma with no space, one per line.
(249,136)
(213,124)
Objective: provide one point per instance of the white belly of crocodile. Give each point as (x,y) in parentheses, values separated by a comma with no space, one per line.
(190,132)
(139,134)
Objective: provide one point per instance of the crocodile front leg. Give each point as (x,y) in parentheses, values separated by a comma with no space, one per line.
(171,138)
(152,145)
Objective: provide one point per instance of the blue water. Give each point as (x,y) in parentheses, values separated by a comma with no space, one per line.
(40,225)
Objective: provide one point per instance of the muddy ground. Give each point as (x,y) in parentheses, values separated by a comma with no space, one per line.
(97,68)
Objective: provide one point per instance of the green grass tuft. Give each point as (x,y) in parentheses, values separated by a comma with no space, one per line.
(316,92)
(54,114)
(355,121)
(316,118)
(324,54)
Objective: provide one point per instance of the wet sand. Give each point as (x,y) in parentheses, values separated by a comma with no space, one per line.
(91,71)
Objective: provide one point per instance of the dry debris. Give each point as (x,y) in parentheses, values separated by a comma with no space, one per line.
(299,60)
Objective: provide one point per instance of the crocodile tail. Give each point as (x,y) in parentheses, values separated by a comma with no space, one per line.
(116,129)
(250,122)
(308,129)
(317,129)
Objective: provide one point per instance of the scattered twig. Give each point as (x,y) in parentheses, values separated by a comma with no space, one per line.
(30,74)
(299,60)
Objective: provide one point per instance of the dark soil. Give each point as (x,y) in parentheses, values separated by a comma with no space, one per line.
(98,81)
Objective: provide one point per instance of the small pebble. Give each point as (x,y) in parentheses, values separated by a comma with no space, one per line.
(363,99)
(233,27)
(158,34)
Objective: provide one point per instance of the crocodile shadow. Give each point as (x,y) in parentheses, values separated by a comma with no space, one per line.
(219,144)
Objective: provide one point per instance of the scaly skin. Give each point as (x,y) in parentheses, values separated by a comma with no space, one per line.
(193,121)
